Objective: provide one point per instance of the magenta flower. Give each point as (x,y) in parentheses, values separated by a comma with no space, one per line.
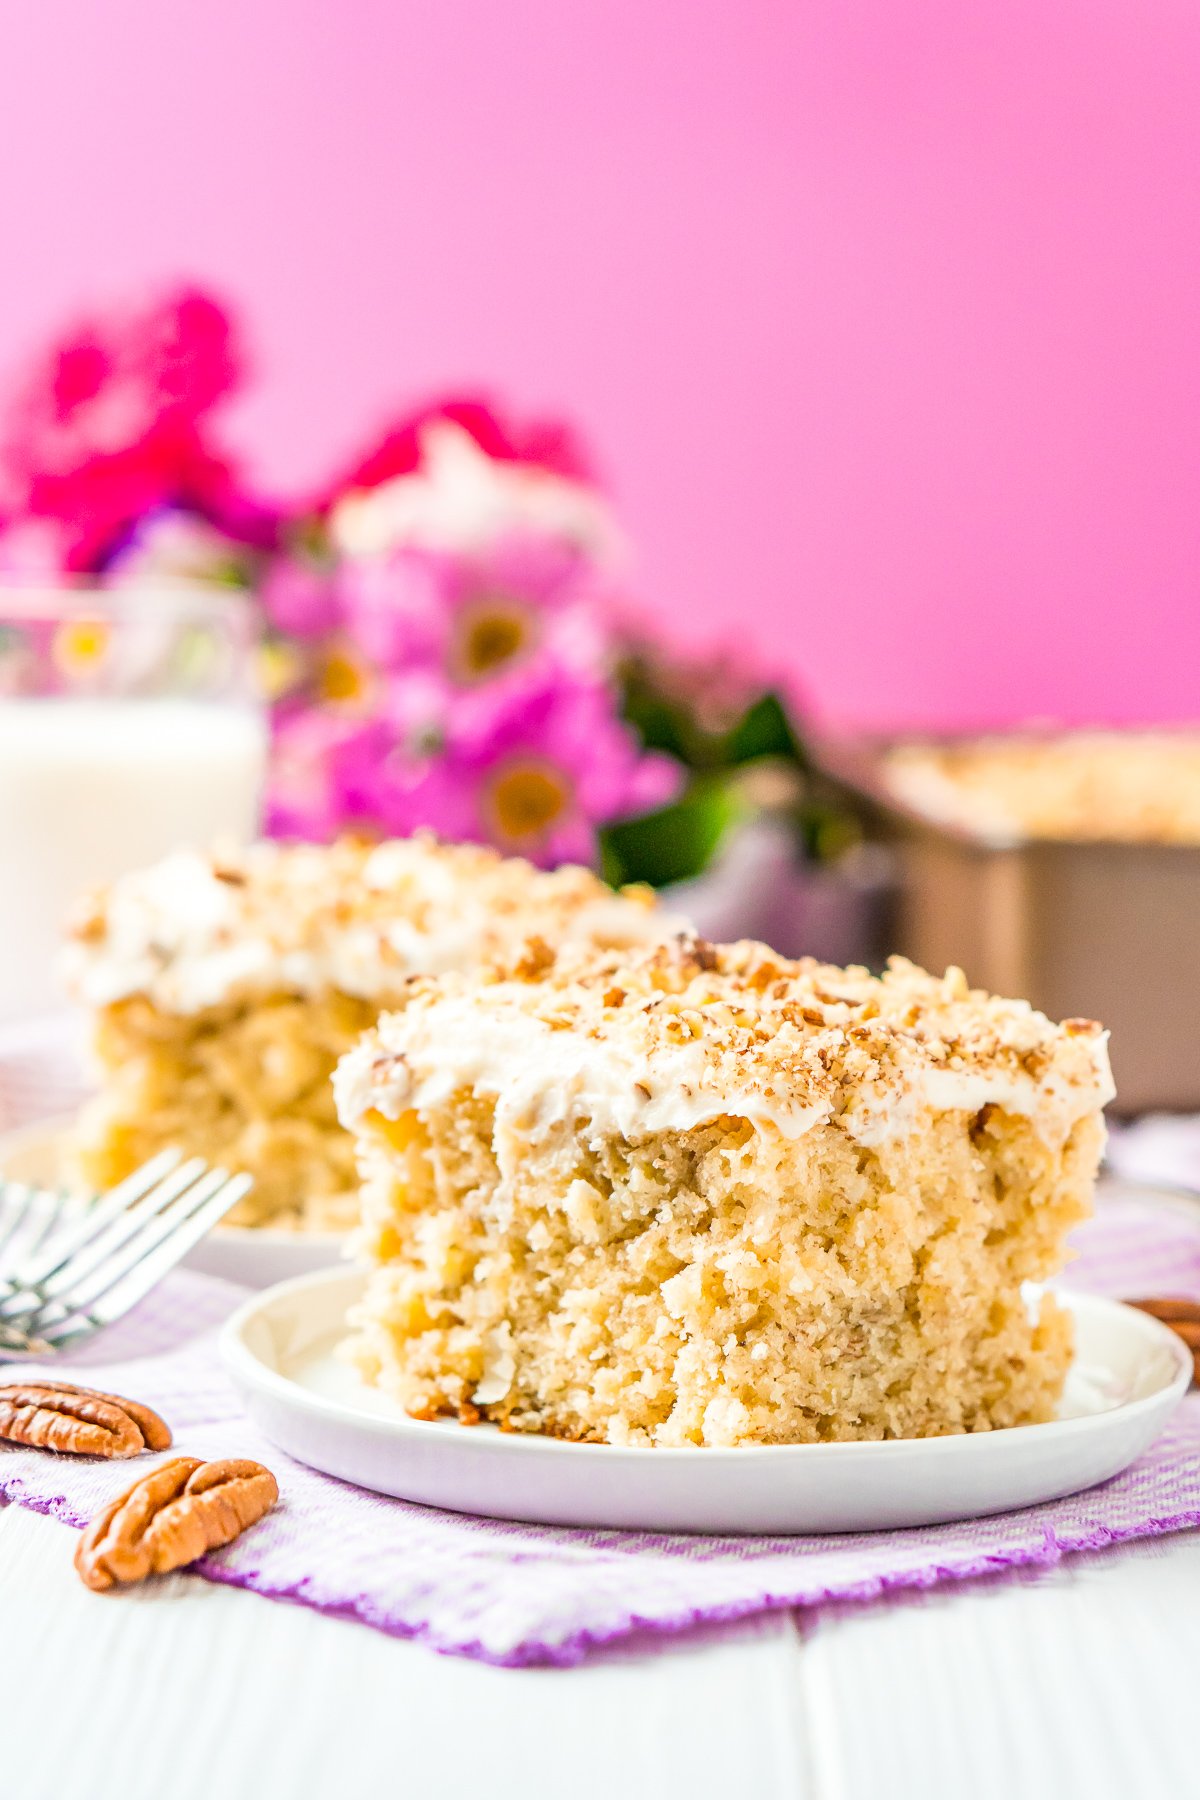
(544,443)
(107,428)
(534,767)
(315,757)
(467,692)
(478,619)
(460,498)
(300,598)
(34,549)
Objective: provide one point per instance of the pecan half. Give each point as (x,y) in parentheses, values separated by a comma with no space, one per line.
(1183,1316)
(173,1515)
(55,1415)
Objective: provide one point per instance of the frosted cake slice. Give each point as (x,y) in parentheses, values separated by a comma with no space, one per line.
(700,1195)
(225,988)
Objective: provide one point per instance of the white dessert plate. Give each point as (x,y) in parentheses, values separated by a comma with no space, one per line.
(254,1258)
(1129,1374)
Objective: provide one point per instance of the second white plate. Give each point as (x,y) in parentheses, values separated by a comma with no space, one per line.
(1129,1374)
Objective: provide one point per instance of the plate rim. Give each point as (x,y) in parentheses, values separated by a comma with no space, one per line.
(240,1361)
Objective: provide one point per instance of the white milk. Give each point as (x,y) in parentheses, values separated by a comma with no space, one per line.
(91,788)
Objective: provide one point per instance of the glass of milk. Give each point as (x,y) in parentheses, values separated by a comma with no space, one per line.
(129,725)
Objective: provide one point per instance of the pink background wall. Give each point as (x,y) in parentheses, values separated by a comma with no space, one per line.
(882,314)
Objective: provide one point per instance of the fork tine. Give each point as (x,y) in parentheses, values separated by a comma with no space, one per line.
(49,1280)
(159,1229)
(193,1216)
(119,1247)
(20,1211)
(97,1218)
(55,1214)
(60,1204)
(164,1256)
(73,1292)
(95,1270)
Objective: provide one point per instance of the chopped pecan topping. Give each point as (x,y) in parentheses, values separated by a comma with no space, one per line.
(172,1516)
(54,1415)
(535,958)
(1183,1316)
(88,927)
(697,951)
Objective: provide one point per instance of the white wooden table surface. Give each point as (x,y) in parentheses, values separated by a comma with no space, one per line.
(1082,1681)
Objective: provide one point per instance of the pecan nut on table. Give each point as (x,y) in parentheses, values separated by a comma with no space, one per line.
(1183,1316)
(55,1415)
(172,1516)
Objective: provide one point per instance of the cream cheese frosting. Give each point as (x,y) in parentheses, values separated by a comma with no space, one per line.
(667,1038)
(198,930)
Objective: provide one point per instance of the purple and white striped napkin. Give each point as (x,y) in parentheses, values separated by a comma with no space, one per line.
(524,1594)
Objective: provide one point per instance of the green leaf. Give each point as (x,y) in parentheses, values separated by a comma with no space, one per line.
(675,843)
(660,723)
(764,730)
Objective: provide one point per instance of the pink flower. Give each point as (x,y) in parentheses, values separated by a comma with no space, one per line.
(477,619)
(300,598)
(547,443)
(107,427)
(34,548)
(461,500)
(534,768)
(315,756)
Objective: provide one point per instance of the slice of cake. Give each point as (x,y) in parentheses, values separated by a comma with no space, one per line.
(226,987)
(699,1195)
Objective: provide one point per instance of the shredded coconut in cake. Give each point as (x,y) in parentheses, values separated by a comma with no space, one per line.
(665,1038)
(197,930)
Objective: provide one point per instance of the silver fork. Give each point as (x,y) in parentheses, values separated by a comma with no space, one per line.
(80,1269)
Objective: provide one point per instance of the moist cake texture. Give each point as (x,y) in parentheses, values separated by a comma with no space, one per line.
(689,1194)
(225,987)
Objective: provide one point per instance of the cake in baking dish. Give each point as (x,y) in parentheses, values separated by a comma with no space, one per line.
(1126,787)
(689,1194)
(225,987)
